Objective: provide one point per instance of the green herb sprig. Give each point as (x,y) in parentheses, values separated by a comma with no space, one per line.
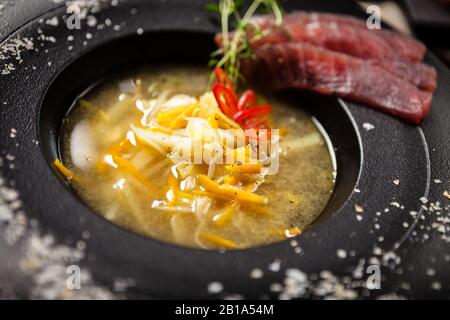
(238,46)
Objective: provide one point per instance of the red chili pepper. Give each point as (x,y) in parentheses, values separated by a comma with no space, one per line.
(222,78)
(253,118)
(247,100)
(244,110)
(225,99)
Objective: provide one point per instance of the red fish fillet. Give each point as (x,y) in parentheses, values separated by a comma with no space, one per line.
(347,35)
(304,66)
(408,48)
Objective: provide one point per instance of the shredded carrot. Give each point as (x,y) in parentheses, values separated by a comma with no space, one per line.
(212,120)
(218,241)
(226,123)
(224,217)
(175,118)
(229,191)
(165,117)
(180,121)
(64,171)
(210,194)
(126,167)
(230,179)
(118,147)
(245,168)
(159,129)
(175,187)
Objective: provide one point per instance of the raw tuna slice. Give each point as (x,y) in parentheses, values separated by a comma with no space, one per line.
(408,48)
(347,38)
(304,66)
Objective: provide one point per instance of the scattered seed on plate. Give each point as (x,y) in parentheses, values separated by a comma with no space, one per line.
(276,287)
(358,208)
(256,273)
(436,285)
(275,265)
(215,287)
(341,253)
(395,204)
(431,272)
(368,126)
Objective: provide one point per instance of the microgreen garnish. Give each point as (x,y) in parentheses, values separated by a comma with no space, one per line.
(237,46)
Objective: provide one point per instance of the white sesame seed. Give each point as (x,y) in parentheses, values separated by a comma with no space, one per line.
(215,287)
(341,253)
(256,273)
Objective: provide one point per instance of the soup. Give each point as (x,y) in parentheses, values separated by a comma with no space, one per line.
(120,150)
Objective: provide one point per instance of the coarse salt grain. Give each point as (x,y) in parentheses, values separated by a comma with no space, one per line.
(358,208)
(215,287)
(256,273)
(368,126)
(341,253)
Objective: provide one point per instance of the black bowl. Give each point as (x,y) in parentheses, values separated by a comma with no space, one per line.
(125,54)
(48,81)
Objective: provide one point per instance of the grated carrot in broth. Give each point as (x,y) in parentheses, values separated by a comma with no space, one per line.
(244,168)
(120,146)
(174,118)
(218,241)
(126,167)
(223,218)
(212,120)
(64,170)
(180,121)
(230,179)
(160,129)
(226,122)
(229,191)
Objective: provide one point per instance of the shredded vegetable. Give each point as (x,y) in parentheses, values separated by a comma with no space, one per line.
(157,154)
(219,241)
(63,170)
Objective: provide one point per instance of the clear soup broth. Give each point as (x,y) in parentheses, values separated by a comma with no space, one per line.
(112,142)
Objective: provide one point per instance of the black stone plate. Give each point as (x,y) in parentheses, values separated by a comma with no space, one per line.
(411,250)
